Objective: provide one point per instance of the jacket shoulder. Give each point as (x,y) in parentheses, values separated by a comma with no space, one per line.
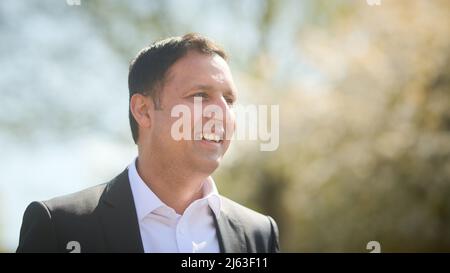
(47,226)
(78,203)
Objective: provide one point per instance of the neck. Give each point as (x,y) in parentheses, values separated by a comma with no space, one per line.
(175,188)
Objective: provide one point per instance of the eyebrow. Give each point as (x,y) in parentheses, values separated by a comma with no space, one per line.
(210,88)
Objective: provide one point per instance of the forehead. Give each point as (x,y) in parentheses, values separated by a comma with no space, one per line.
(195,69)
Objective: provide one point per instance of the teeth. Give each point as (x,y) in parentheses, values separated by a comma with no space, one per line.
(211,137)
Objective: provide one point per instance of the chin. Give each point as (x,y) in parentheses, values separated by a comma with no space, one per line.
(207,166)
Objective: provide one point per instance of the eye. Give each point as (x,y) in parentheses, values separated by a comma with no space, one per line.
(229,100)
(200,95)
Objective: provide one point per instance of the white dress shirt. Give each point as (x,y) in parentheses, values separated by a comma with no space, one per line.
(164,230)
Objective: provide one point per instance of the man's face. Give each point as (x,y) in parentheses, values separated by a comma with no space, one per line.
(192,78)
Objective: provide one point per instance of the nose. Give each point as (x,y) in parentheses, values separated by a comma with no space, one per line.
(220,112)
(218,129)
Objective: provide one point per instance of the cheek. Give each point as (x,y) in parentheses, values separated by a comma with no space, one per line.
(230,124)
(197,119)
(226,144)
(162,127)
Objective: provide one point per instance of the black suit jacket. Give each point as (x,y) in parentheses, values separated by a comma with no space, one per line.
(103,219)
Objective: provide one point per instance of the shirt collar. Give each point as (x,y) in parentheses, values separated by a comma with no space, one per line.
(146,201)
(212,195)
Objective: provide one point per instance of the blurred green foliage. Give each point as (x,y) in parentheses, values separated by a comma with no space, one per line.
(365,156)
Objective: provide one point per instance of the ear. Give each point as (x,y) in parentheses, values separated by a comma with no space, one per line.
(142,108)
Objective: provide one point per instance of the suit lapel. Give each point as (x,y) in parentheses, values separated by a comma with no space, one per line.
(230,233)
(118,216)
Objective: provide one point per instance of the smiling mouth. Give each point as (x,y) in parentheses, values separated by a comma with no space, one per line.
(212,138)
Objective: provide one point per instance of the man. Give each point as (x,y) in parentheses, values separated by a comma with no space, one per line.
(166,200)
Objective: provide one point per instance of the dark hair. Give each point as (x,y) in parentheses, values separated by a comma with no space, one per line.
(148,69)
